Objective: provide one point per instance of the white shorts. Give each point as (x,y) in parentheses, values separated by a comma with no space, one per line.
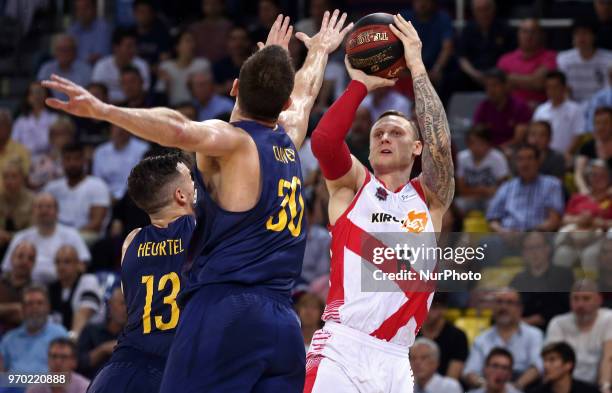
(345,360)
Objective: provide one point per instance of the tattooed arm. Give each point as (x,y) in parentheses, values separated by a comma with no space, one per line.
(438,176)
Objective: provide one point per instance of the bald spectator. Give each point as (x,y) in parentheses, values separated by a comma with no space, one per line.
(585,65)
(559,363)
(24,349)
(65,63)
(563,115)
(63,359)
(435,29)
(588,329)
(173,73)
(424,360)
(15,203)
(239,48)
(603,12)
(509,332)
(48,236)
(209,104)
(12,284)
(528,202)
(497,373)
(113,160)
(93,34)
(482,42)
(11,151)
(212,31)
(107,70)
(601,99)
(97,340)
(527,65)
(84,200)
(501,112)
(76,298)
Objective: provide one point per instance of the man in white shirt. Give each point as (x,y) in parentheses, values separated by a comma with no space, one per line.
(585,66)
(48,236)
(108,69)
(424,359)
(113,160)
(84,201)
(588,329)
(497,373)
(564,116)
(385,99)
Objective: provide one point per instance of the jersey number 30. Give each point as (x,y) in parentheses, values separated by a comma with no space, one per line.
(290,191)
(173,278)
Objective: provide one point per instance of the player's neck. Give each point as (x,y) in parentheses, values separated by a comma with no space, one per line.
(237,115)
(394,180)
(167,216)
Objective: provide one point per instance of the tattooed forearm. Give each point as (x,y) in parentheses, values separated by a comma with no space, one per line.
(438,172)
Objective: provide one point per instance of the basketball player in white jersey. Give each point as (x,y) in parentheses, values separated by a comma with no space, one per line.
(364,344)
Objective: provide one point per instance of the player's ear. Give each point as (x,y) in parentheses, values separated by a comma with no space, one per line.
(417,148)
(180,196)
(234,90)
(288,104)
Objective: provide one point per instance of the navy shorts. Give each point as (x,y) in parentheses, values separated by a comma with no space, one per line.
(234,339)
(129,371)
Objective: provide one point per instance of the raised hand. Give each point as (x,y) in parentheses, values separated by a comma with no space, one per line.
(80,101)
(331,34)
(280,33)
(410,40)
(370,81)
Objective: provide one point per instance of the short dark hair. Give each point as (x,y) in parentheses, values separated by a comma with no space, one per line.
(585,24)
(481,132)
(73,147)
(266,82)
(563,349)
(121,33)
(604,109)
(150,178)
(526,146)
(496,73)
(499,351)
(64,341)
(130,69)
(545,124)
(393,112)
(558,75)
(35,288)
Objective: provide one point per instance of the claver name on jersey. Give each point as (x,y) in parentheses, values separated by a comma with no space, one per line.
(283,154)
(165,247)
(384,217)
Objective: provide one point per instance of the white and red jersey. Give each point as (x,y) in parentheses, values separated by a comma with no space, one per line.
(394,315)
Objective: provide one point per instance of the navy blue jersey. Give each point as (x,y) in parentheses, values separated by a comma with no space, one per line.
(263,246)
(151,279)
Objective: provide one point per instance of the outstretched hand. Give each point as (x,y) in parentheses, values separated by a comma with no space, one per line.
(410,40)
(370,81)
(331,34)
(280,33)
(80,101)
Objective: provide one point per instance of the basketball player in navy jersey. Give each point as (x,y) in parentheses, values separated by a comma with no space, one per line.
(238,331)
(152,259)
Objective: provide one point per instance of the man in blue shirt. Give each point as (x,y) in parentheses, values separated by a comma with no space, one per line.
(93,34)
(24,349)
(209,104)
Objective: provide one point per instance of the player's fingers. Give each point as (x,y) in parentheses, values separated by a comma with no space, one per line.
(277,23)
(284,26)
(288,35)
(56,104)
(56,86)
(333,19)
(340,23)
(260,45)
(396,31)
(302,36)
(325,20)
(346,29)
(62,80)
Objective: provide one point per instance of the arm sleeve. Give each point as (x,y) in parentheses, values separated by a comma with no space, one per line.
(327,141)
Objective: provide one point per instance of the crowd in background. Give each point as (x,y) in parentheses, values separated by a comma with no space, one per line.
(537,161)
